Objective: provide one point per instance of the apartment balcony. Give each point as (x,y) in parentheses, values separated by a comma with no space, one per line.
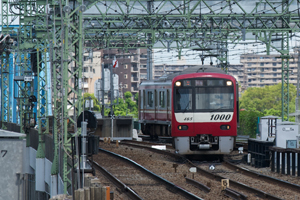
(134,69)
(85,85)
(134,89)
(87,74)
(134,79)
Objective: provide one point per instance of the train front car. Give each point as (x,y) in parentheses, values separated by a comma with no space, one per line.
(205,112)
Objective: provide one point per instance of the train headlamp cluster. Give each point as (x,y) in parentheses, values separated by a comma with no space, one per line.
(178,83)
(183,127)
(225,127)
(228,83)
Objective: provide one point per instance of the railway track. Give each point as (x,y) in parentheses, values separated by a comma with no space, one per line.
(236,185)
(132,179)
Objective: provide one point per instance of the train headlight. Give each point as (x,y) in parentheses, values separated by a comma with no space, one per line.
(182,127)
(178,83)
(228,83)
(225,127)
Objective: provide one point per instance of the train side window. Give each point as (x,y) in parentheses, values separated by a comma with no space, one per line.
(168,98)
(150,99)
(162,99)
(143,99)
(155,98)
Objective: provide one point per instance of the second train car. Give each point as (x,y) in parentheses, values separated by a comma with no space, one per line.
(197,107)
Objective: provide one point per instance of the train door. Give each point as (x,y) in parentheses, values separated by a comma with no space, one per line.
(168,105)
(149,105)
(155,104)
(162,106)
(143,104)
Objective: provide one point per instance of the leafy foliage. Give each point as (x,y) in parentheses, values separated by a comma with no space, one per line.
(265,101)
(87,96)
(124,107)
(248,123)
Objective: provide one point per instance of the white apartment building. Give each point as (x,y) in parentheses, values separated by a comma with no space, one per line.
(264,70)
(91,70)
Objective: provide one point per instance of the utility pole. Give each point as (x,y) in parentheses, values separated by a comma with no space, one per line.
(149,48)
(297,113)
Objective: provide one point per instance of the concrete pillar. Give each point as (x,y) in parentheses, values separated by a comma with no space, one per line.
(79,194)
(87,193)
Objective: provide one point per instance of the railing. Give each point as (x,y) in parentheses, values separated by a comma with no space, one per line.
(134,79)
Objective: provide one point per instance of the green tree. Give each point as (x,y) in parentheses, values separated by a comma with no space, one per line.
(267,100)
(257,102)
(125,106)
(248,123)
(87,96)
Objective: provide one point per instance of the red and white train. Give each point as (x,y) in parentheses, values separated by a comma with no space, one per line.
(197,107)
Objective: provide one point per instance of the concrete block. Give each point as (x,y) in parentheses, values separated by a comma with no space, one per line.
(98,193)
(87,193)
(79,194)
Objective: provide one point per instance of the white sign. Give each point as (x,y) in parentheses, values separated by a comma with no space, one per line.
(193,169)
(27,78)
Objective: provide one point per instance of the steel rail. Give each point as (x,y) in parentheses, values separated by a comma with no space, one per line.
(234,194)
(124,188)
(235,183)
(170,186)
(198,185)
(251,173)
(211,175)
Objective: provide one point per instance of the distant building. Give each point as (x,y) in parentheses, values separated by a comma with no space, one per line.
(91,70)
(132,67)
(160,70)
(264,70)
(238,71)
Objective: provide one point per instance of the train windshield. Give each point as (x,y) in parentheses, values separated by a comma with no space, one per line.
(204,95)
(183,99)
(214,98)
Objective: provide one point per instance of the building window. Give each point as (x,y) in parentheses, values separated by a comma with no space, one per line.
(249,64)
(274,69)
(85,69)
(125,66)
(94,71)
(91,69)
(125,86)
(274,64)
(143,76)
(261,64)
(125,76)
(262,69)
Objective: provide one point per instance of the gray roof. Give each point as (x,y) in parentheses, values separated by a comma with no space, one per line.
(10,134)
